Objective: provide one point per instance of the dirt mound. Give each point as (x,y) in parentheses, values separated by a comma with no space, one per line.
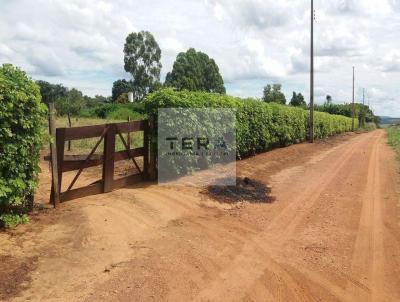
(246,189)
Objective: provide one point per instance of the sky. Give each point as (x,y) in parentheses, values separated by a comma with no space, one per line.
(79,43)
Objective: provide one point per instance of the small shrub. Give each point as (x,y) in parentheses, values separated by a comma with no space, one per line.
(370,126)
(10,221)
(122,99)
(21,137)
(115,111)
(123,114)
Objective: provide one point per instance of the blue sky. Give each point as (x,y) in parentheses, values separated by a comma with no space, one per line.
(254,42)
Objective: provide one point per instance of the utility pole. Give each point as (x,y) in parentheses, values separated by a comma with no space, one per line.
(312,76)
(363,96)
(353,115)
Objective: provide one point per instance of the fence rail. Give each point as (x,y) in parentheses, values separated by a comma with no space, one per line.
(106,133)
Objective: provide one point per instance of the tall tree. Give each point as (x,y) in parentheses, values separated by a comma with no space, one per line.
(273,94)
(51,92)
(297,100)
(120,87)
(195,71)
(73,103)
(142,60)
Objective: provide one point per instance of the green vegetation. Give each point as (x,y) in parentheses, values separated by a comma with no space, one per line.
(273,94)
(120,87)
(394,139)
(259,126)
(195,71)
(142,57)
(10,221)
(298,100)
(21,137)
(115,111)
(363,113)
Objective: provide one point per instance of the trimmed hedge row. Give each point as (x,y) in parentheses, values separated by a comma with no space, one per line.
(259,126)
(22,116)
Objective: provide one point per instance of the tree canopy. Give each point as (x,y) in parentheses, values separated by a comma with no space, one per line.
(51,92)
(142,57)
(273,94)
(67,100)
(120,87)
(72,103)
(297,100)
(195,71)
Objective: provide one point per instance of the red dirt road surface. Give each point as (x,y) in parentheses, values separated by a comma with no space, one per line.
(332,233)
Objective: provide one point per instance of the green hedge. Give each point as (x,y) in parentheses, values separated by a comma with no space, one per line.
(260,126)
(21,135)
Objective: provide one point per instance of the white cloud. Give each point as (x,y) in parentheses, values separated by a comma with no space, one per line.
(254,42)
(172,44)
(391,62)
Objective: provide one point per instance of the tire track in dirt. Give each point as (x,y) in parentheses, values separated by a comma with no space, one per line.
(368,256)
(278,231)
(200,250)
(283,226)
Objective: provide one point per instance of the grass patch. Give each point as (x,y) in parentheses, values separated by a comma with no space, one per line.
(394,139)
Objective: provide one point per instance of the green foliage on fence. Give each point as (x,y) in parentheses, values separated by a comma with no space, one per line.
(21,135)
(259,126)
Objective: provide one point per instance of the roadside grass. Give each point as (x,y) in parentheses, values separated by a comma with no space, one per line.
(394,139)
(84,146)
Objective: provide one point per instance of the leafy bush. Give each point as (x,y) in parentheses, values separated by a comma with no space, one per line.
(123,114)
(370,126)
(21,136)
(10,221)
(122,99)
(115,111)
(259,126)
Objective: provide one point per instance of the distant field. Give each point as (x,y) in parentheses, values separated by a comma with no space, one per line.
(85,145)
(394,138)
(386,120)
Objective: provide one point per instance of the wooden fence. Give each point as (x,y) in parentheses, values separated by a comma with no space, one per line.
(108,134)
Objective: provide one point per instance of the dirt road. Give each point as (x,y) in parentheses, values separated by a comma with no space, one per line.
(331,234)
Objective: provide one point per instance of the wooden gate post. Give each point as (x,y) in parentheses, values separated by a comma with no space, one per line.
(60,143)
(152,150)
(70,125)
(146,149)
(55,192)
(129,135)
(109,153)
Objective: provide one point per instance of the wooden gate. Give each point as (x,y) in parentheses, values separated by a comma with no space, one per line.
(108,134)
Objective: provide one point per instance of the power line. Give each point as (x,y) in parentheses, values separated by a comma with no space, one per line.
(363,96)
